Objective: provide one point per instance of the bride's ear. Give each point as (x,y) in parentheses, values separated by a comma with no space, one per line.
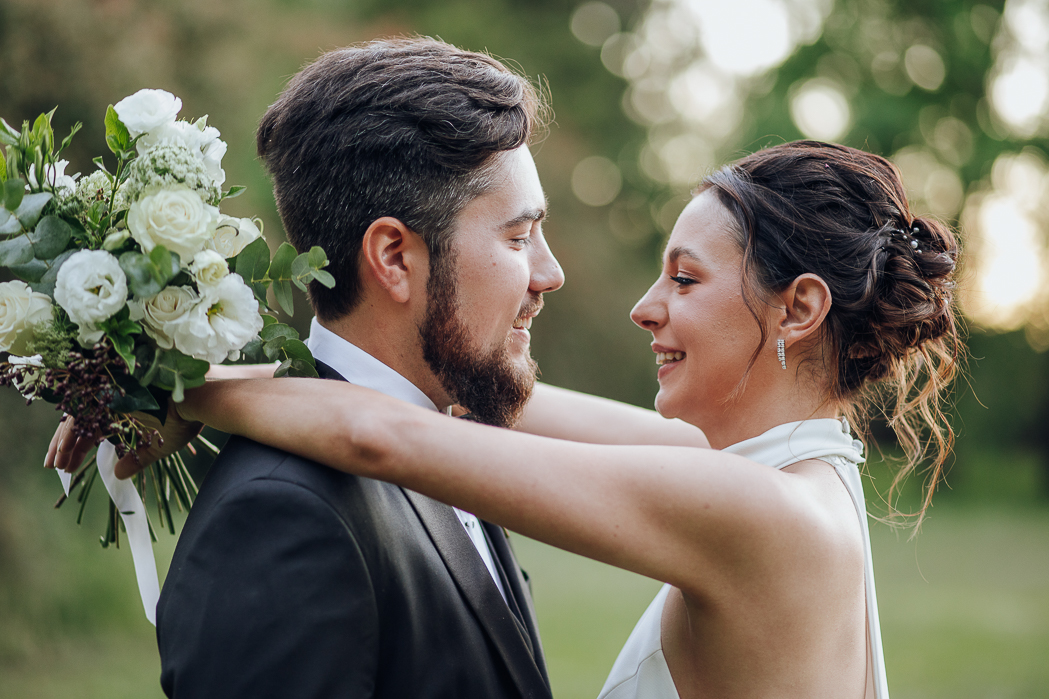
(395,257)
(806,303)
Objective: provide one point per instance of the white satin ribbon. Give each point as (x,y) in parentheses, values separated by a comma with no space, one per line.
(133,512)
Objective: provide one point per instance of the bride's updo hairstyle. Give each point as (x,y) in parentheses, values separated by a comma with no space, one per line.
(890,341)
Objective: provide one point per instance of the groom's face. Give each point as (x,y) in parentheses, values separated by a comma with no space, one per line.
(483,297)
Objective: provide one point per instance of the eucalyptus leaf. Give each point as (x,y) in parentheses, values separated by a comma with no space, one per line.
(29,209)
(324,278)
(141,274)
(283,259)
(177,372)
(14,190)
(273,338)
(9,223)
(47,282)
(15,251)
(252,265)
(50,237)
(296,367)
(165,264)
(32,272)
(301,272)
(297,349)
(282,292)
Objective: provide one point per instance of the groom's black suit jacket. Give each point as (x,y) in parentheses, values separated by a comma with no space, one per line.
(291,579)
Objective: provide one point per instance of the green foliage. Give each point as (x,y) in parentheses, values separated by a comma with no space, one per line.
(117,137)
(54,343)
(253,264)
(121,331)
(148,274)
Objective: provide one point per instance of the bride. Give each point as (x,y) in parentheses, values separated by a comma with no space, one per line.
(798,292)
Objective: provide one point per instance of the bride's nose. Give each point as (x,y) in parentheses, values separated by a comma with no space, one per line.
(649,313)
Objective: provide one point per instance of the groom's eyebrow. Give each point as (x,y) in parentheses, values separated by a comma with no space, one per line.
(529,216)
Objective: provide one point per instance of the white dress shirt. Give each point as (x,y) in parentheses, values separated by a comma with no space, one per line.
(360,368)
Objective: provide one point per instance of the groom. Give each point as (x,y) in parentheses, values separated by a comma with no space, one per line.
(407,161)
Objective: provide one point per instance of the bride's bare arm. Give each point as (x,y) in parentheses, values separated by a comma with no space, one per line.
(581,417)
(560,413)
(681,515)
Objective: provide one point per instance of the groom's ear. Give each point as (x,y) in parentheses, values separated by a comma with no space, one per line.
(395,257)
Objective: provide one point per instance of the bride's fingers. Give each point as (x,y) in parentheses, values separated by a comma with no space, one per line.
(52,448)
(76,455)
(63,442)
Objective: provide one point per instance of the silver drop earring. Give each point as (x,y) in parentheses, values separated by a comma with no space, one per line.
(781,353)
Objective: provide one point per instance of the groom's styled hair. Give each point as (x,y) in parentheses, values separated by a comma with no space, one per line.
(406,128)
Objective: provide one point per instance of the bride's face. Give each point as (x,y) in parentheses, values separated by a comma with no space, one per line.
(702,331)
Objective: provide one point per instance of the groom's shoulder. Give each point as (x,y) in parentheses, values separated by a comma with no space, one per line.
(245,468)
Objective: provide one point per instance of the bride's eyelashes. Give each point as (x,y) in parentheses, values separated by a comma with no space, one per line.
(683,281)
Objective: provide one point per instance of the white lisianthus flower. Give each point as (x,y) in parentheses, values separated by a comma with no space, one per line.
(147,110)
(208,268)
(161,314)
(176,218)
(233,235)
(226,318)
(212,148)
(91,287)
(55,177)
(22,310)
(202,141)
(31,378)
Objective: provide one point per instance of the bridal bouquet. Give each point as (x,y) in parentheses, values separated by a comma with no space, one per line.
(131,282)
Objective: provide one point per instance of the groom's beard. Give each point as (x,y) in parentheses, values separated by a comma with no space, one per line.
(488,384)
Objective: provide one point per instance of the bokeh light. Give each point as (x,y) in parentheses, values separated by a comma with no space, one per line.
(1005,225)
(820,110)
(691,65)
(596,181)
(1018,85)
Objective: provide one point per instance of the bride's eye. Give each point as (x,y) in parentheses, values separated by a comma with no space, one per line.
(683,281)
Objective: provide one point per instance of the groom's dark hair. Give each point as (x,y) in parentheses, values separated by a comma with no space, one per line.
(407,128)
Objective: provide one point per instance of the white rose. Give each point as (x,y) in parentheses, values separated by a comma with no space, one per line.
(161,314)
(91,287)
(176,218)
(226,318)
(233,235)
(22,310)
(147,110)
(208,268)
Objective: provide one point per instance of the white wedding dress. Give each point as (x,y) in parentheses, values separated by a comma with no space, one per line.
(641,672)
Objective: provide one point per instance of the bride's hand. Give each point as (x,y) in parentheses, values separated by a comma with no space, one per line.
(67,451)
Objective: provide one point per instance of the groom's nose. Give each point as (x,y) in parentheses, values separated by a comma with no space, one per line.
(547,274)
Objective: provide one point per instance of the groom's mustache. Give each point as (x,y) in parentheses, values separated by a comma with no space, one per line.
(531,307)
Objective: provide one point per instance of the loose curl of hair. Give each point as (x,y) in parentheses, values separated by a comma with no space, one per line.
(891,340)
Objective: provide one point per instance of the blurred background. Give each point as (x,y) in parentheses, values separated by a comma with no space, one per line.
(649,96)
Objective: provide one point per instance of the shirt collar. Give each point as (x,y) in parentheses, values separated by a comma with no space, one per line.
(360,368)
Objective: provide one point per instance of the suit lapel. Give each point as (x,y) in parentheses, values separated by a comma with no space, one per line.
(519,586)
(470,574)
